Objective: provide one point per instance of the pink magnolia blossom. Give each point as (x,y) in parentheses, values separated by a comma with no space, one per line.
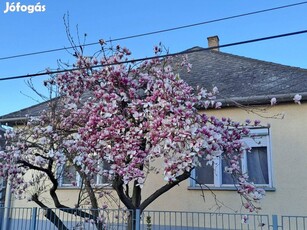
(297,98)
(273,101)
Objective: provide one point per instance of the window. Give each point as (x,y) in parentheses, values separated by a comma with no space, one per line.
(68,176)
(101,178)
(256,163)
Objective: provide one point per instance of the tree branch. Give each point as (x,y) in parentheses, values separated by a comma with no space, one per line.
(50,214)
(164,189)
(53,194)
(118,186)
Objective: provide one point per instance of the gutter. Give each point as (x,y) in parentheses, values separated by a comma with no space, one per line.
(13,121)
(226,102)
(258,100)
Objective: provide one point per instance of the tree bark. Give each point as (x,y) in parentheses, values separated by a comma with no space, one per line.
(49,214)
(135,203)
(164,189)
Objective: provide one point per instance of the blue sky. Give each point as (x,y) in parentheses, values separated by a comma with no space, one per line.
(22,33)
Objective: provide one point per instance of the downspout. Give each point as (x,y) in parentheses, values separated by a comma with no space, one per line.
(7,205)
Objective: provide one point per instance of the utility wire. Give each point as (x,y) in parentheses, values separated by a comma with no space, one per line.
(160,56)
(158,31)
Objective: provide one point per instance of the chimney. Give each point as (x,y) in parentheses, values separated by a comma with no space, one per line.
(214,42)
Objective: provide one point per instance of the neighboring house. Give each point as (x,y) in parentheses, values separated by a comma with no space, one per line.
(2,182)
(278,160)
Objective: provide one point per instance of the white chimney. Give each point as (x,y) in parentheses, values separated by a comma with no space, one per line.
(213,41)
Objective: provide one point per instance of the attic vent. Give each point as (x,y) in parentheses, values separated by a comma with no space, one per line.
(214,42)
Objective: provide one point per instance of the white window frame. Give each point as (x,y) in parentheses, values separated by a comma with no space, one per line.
(261,139)
(61,178)
(100,177)
(78,179)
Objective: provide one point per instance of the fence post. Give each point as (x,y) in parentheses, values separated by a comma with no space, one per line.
(275,222)
(33,219)
(137,219)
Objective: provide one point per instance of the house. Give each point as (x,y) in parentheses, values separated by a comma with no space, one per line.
(2,183)
(278,159)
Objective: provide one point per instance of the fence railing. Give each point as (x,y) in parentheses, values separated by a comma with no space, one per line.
(294,222)
(106,219)
(64,219)
(201,220)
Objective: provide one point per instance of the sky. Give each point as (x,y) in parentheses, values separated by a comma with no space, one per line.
(44,29)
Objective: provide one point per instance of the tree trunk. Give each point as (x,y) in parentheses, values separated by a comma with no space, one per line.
(132,220)
(53,218)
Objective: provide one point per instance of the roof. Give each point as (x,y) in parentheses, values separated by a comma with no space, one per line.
(241,79)
(22,115)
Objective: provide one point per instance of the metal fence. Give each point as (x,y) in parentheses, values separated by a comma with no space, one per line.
(64,219)
(106,219)
(200,220)
(294,222)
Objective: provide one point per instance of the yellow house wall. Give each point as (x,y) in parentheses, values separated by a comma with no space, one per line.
(289,169)
(68,197)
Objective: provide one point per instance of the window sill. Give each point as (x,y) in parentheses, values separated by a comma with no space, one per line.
(68,188)
(78,188)
(268,189)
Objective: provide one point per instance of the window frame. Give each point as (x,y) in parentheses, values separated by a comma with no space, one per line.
(100,177)
(78,178)
(60,176)
(264,136)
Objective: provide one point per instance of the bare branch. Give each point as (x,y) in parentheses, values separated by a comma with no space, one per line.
(164,189)
(50,214)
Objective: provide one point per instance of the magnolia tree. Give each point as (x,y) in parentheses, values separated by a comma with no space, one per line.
(140,118)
